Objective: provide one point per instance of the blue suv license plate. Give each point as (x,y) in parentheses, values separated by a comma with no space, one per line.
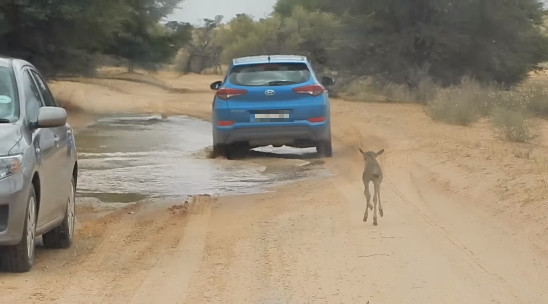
(271,116)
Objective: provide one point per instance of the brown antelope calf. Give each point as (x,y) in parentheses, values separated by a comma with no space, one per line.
(372,173)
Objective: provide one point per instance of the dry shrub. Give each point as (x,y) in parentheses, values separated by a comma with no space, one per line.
(536,98)
(514,125)
(368,89)
(462,104)
(399,93)
(360,89)
(426,90)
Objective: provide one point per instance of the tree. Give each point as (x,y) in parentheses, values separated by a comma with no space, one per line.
(142,40)
(243,36)
(311,34)
(302,32)
(179,32)
(397,40)
(204,49)
(49,33)
(506,41)
(65,36)
(285,8)
(489,39)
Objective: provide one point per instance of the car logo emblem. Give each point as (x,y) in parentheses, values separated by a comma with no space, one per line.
(269,92)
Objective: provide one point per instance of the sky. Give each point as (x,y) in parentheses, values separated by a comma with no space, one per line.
(193,11)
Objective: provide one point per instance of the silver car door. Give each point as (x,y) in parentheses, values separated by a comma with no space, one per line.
(62,160)
(44,145)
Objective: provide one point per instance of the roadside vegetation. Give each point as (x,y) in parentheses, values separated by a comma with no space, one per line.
(73,37)
(463,60)
(513,112)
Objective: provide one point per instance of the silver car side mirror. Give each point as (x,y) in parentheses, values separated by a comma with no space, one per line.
(51,117)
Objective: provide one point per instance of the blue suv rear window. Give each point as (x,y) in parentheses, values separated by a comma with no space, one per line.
(269,74)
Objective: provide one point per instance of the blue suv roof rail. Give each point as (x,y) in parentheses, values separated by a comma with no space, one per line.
(269,58)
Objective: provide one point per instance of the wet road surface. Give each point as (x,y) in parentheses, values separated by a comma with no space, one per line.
(133,158)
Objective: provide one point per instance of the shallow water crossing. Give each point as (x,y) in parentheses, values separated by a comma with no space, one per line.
(134,158)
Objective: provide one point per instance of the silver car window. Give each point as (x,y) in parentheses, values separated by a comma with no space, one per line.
(46,94)
(33,101)
(9,105)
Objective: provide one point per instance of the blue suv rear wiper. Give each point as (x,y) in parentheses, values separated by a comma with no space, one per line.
(4,120)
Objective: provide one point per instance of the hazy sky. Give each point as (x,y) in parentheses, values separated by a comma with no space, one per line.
(194,11)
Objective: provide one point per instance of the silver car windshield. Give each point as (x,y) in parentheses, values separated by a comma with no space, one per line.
(9,104)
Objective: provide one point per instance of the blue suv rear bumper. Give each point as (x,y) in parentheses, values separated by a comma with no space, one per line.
(300,134)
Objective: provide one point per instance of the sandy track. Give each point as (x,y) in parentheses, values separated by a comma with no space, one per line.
(450,234)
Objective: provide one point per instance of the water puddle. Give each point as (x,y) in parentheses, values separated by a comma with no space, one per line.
(135,158)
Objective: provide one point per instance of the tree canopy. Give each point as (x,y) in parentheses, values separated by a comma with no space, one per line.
(399,40)
(395,41)
(63,36)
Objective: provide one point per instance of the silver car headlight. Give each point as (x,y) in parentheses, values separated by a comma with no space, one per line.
(9,165)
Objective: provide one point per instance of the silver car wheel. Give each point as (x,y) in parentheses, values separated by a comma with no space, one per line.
(31,227)
(71,211)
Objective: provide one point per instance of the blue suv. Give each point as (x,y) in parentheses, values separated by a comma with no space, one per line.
(271,100)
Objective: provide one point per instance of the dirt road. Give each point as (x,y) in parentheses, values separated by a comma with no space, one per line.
(464,222)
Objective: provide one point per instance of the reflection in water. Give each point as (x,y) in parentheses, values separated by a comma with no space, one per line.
(126,159)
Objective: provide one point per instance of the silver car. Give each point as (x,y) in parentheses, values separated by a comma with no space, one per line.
(38,167)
